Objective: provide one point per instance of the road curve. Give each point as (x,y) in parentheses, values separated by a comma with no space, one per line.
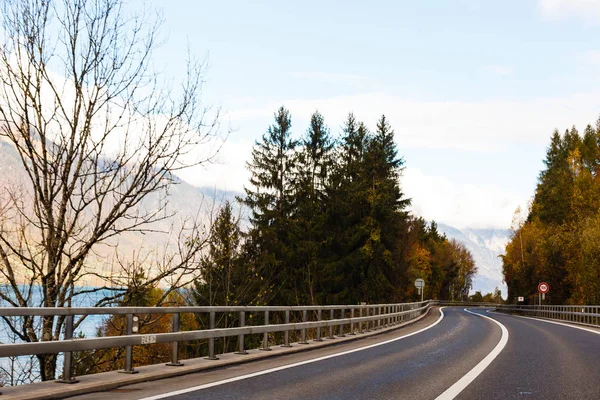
(421,366)
(540,361)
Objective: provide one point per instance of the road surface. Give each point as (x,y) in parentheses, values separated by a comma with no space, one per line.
(463,356)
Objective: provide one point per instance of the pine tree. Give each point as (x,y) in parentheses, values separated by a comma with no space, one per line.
(224,279)
(270,199)
(386,211)
(555,186)
(589,149)
(346,208)
(314,167)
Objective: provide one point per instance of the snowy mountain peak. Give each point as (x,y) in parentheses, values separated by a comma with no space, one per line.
(486,245)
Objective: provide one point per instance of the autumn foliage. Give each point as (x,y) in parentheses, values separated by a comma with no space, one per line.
(558,240)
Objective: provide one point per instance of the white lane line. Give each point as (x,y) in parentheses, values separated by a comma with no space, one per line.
(548,321)
(268,371)
(463,382)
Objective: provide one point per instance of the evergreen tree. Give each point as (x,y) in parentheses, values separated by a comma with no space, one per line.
(589,149)
(554,190)
(223,277)
(314,167)
(346,208)
(270,199)
(386,211)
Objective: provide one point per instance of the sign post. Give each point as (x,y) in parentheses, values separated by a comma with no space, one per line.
(420,284)
(543,288)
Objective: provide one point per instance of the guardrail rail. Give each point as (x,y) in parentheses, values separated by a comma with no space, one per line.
(581,315)
(346,319)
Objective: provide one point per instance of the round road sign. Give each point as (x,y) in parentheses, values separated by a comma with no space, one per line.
(543,287)
(419,283)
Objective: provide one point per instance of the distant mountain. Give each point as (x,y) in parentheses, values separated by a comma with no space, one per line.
(485,245)
(184,201)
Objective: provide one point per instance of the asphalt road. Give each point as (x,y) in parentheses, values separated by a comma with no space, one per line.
(421,366)
(540,361)
(404,369)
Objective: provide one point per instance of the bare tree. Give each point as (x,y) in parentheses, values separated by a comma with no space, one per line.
(99,136)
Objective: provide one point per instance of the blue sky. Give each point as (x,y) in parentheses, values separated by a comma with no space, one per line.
(473,88)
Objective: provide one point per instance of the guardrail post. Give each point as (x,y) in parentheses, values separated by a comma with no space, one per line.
(241,349)
(175,345)
(318,338)
(378,317)
(402,316)
(331,326)
(375,320)
(387,316)
(367,322)
(303,330)
(286,334)
(341,326)
(352,322)
(129,349)
(211,341)
(67,355)
(360,324)
(265,343)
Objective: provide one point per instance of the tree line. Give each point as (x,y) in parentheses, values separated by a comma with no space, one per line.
(328,224)
(557,241)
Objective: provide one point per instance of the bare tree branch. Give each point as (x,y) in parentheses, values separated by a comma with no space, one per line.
(99,137)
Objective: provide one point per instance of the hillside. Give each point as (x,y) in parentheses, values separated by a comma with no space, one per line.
(185,201)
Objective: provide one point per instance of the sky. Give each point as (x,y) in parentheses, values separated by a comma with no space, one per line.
(473,89)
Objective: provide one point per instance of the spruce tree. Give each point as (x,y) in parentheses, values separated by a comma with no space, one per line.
(386,211)
(346,208)
(224,279)
(313,169)
(270,199)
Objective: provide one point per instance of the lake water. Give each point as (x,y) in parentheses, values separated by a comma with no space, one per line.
(88,327)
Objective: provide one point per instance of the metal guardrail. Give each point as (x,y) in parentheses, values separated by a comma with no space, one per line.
(581,315)
(373,316)
(465,303)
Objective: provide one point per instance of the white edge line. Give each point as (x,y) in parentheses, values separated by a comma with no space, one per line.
(466,380)
(268,371)
(547,321)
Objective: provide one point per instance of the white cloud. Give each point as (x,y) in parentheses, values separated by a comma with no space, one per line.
(229,170)
(445,124)
(437,198)
(482,126)
(588,10)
